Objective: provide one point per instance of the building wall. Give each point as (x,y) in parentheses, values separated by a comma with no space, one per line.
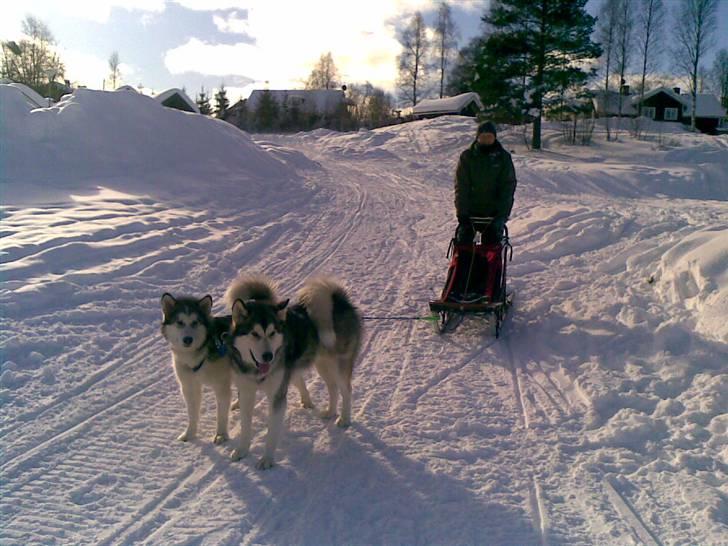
(660,101)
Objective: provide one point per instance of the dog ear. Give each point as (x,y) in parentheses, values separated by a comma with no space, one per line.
(282,305)
(206,304)
(168,303)
(239,311)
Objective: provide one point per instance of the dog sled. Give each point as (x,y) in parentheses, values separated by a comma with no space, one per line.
(476,281)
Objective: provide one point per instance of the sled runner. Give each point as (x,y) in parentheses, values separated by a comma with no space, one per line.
(476,280)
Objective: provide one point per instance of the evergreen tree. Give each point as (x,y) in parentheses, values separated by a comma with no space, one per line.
(203,102)
(221,102)
(463,74)
(719,76)
(536,48)
(266,113)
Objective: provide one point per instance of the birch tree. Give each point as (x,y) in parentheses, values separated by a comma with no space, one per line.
(650,20)
(115,72)
(695,33)
(324,75)
(624,50)
(607,36)
(445,42)
(412,61)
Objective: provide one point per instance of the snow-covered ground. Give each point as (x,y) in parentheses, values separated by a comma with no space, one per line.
(600,416)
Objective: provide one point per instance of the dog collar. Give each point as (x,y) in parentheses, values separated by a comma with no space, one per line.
(197,368)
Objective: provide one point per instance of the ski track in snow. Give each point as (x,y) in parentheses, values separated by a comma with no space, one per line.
(550,435)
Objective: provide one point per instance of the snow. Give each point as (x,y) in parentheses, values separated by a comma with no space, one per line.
(450,105)
(599,417)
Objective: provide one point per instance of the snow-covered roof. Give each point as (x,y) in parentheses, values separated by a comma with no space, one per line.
(323,101)
(126,88)
(33,99)
(707,104)
(610,106)
(447,105)
(182,95)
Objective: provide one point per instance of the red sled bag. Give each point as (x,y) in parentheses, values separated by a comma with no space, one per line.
(475,273)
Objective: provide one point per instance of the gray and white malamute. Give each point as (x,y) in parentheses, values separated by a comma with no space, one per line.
(194,337)
(273,342)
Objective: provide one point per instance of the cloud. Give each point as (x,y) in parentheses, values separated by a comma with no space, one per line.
(290,37)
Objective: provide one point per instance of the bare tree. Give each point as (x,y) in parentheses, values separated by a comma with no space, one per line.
(625,36)
(412,60)
(324,75)
(115,74)
(650,22)
(32,61)
(697,24)
(607,36)
(445,42)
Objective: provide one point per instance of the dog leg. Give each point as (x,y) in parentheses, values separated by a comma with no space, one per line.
(222,398)
(276,416)
(246,397)
(325,367)
(193,398)
(344,385)
(300,384)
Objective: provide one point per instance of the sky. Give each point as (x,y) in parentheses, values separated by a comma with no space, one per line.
(245,44)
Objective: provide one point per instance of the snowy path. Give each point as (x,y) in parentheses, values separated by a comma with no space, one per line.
(599,417)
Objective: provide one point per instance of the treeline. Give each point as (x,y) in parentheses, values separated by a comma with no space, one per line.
(537,59)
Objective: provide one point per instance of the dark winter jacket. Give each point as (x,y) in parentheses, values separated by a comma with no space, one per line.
(485,182)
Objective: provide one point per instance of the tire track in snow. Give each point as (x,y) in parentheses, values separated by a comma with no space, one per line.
(17,463)
(108,371)
(540,515)
(629,514)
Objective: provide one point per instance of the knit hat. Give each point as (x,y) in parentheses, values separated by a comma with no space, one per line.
(486,127)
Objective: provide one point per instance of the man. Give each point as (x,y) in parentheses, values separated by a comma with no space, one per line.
(485,182)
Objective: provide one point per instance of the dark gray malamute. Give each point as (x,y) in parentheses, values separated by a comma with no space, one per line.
(273,342)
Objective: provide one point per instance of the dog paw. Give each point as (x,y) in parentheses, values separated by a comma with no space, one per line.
(307,404)
(238,454)
(265,463)
(343,423)
(327,414)
(236,405)
(220,439)
(186,436)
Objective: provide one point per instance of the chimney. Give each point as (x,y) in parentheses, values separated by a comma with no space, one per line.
(625,89)
(677,90)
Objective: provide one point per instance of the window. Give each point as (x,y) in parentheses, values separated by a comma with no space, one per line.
(670,114)
(648,112)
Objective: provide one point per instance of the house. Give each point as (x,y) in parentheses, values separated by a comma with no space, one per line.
(177,99)
(237,114)
(325,102)
(465,104)
(664,104)
(607,104)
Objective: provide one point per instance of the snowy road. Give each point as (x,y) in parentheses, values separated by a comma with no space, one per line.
(598,418)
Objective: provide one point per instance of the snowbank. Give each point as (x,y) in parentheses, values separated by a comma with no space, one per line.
(126,141)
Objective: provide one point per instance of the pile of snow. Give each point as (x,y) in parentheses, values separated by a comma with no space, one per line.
(123,141)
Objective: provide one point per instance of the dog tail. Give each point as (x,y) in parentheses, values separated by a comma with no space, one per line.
(320,296)
(250,287)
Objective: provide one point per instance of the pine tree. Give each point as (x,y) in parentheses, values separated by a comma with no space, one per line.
(266,113)
(536,48)
(203,102)
(221,102)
